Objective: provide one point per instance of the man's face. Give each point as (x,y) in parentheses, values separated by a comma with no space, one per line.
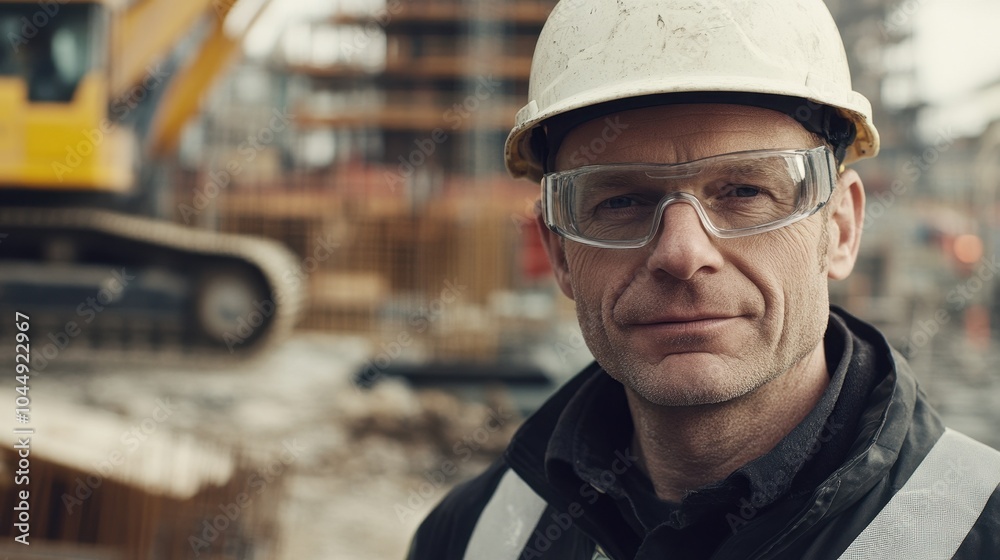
(689,318)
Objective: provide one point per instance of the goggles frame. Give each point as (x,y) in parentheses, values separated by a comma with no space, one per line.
(820,173)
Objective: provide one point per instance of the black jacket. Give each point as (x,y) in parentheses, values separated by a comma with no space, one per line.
(832,496)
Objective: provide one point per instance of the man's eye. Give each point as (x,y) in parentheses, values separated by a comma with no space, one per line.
(618,203)
(743,191)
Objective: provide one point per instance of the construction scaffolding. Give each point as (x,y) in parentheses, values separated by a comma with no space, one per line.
(388,180)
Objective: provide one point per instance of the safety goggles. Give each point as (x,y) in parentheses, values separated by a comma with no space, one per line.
(620,206)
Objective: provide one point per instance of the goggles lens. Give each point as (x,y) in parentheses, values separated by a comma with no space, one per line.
(738,194)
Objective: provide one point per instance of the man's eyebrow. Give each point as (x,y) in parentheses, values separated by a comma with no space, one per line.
(615,178)
(647,174)
(775,169)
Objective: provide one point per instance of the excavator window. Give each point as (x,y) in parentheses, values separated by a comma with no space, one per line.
(51,52)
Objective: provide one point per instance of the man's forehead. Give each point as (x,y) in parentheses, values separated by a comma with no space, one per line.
(678,133)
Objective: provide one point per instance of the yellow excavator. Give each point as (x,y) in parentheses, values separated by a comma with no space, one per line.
(92,95)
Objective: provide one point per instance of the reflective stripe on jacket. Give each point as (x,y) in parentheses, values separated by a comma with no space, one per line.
(928,518)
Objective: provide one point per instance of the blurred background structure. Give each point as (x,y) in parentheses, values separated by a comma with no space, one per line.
(253,208)
(390,174)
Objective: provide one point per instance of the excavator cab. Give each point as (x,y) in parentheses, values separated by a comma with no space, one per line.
(54,101)
(52,48)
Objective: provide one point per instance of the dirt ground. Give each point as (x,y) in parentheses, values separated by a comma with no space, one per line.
(371,463)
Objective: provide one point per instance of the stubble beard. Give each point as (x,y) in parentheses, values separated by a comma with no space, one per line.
(761,361)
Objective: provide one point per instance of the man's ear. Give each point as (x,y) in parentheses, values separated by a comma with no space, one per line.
(847,217)
(556,251)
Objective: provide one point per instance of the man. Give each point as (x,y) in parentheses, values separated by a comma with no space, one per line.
(695,201)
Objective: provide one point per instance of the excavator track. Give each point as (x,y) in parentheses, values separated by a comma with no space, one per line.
(105,287)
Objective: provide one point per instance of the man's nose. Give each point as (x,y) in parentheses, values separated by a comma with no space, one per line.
(683,246)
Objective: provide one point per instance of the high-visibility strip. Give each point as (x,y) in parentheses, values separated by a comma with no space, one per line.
(507,522)
(930,516)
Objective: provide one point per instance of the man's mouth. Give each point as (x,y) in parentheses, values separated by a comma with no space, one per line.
(684,324)
(682,319)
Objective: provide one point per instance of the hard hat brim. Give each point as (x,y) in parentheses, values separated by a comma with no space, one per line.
(521,153)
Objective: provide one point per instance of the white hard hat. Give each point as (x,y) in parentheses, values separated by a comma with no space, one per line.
(594,57)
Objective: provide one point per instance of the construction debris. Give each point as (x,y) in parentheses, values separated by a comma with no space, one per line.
(101,487)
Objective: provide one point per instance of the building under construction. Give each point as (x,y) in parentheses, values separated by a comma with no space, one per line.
(389,179)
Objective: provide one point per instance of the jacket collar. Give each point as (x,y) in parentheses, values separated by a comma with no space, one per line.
(897,417)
